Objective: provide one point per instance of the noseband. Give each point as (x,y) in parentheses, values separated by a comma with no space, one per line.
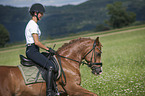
(90,64)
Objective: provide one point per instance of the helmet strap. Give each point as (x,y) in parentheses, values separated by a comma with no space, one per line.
(37,15)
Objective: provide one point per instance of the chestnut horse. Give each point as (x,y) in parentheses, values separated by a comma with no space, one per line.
(12,82)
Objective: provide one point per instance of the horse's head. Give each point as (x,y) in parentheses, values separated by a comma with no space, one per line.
(93,57)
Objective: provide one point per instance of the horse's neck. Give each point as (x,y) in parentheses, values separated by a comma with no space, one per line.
(76,51)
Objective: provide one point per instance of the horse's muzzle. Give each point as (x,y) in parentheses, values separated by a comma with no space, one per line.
(96,70)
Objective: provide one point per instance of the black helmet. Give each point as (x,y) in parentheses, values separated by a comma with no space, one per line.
(37,7)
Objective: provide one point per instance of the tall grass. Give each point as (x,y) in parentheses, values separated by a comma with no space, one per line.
(123,66)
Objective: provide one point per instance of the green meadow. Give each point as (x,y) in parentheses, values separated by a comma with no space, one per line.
(123,61)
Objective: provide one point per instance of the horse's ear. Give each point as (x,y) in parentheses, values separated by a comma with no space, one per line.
(97,41)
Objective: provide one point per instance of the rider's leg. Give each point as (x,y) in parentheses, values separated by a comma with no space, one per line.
(33,53)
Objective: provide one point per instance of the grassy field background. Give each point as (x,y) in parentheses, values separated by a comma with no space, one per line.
(123,60)
(123,66)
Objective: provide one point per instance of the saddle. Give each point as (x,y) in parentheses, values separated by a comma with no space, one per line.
(29,63)
(26,62)
(51,86)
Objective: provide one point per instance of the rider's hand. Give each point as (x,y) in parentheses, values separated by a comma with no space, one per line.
(51,51)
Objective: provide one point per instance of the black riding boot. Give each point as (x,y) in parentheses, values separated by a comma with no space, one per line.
(51,87)
(49,82)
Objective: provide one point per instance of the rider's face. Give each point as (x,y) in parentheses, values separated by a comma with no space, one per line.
(40,15)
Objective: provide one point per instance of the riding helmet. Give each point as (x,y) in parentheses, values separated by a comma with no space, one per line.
(37,7)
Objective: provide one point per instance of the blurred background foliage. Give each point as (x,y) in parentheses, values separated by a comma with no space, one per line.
(92,15)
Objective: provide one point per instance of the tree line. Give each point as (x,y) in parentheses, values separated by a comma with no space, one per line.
(4,36)
(117,13)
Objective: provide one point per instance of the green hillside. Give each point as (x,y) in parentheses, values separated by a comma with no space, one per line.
(65,20)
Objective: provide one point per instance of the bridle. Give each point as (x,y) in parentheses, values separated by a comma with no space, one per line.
(90,64)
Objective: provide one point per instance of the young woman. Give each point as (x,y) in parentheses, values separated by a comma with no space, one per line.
(32,34)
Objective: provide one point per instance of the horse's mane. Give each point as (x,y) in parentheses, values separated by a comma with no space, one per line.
(72,42)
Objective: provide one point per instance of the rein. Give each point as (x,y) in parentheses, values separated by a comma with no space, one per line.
(93,49)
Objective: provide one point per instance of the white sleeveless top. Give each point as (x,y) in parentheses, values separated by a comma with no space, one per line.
(32,27)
